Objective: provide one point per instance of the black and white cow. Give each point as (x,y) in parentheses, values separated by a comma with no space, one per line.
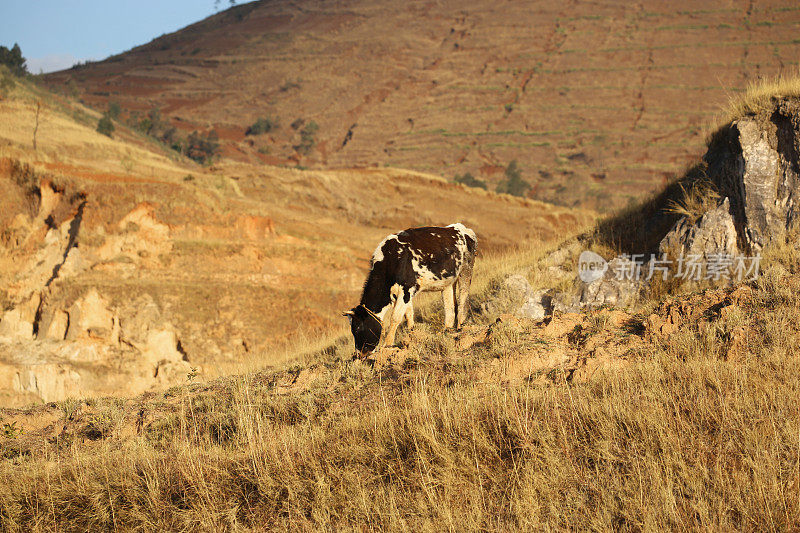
(404,264)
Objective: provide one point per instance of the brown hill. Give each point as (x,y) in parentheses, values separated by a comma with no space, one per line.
(599,102)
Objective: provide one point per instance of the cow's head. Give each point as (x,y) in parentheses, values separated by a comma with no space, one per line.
(366,328)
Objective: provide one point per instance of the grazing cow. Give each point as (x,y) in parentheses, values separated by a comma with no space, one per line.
(412,261)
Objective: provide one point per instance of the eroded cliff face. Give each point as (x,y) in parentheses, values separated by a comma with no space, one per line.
(110,286)
(59,335)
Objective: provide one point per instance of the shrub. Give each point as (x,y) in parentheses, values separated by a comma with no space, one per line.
(262,125)
(307,138)
(170,137)
(12,58)
(202,148)
(152,123)
(114,110)
(470,181)
(513,184)
(6,81)
(105,126)
(288,85)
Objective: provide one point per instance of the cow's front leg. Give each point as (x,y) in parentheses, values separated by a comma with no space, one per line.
(396,314)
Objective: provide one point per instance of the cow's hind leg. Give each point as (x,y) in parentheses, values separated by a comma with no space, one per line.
(462,297)
(448,299)
(410,315)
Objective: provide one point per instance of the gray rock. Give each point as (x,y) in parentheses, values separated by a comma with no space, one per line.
(713,233)
(517,286)
(761,172)
(619,286)
(525,302)
(536,306)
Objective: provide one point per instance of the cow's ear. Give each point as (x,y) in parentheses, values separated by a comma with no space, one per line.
(349,313)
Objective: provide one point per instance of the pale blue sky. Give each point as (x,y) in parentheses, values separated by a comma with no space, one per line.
(55,34)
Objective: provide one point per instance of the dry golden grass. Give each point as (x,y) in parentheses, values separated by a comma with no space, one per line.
(760,95)
(681,438)
(67,135)
(695,200)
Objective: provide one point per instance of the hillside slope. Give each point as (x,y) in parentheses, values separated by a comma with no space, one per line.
(598,102)
(602,420)
(123,267)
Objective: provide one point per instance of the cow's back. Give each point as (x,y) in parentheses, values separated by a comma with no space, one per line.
(433,256)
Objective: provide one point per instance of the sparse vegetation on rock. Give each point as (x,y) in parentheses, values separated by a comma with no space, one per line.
(760,95)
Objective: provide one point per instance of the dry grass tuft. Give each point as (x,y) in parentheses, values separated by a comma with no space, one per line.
(760,96)
(695,200)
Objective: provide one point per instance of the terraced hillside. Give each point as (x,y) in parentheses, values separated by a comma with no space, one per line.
(599,102)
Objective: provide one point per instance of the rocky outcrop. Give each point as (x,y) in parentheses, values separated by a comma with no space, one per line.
(58,340)
(520,299)
(88,349)
(619,285)
(18,323)
(760,169)
(754,164)
(713,233)
(90,318)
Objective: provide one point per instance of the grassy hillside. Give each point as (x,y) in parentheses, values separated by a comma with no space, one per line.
(597,103)
(592,422)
